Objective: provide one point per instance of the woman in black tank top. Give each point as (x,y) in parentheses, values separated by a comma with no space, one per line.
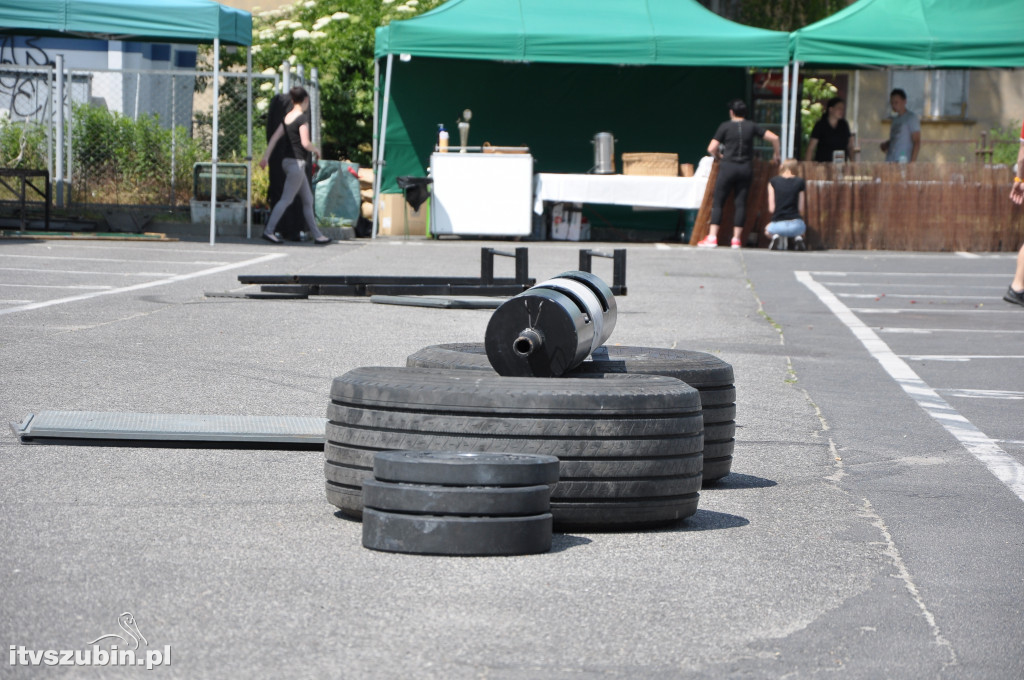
(296,183)
(733,146)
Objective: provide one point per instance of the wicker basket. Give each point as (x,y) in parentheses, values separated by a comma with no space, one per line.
(660,164)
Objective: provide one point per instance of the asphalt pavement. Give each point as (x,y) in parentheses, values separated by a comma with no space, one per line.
(872,525)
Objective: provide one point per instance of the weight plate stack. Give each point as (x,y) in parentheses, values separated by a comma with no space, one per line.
(459,503)
(629,446)
(711,376)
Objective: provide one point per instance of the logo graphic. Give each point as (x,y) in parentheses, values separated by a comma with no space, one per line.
(127,623)
(123,652)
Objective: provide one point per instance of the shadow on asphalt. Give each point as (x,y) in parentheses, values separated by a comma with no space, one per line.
(739,481)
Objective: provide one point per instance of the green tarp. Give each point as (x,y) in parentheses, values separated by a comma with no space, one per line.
(188,21)
(652,32)
(932,33)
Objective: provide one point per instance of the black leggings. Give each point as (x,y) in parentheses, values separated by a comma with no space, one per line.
(732,176)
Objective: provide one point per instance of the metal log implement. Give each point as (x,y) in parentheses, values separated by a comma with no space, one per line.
(552,327)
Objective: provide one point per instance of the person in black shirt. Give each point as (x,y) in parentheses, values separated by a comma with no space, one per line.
(733,145)
(786,201)
(830,134)
(295,127)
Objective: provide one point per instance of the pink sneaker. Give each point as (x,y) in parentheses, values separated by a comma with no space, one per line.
(736,243)
(708,242)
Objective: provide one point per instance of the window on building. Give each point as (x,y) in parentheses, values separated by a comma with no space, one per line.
(933,94)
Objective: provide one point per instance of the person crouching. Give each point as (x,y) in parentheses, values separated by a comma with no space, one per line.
(786,201)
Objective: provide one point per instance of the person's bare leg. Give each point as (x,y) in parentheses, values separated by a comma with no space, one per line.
(713,230)
(737,232)
(1018,279)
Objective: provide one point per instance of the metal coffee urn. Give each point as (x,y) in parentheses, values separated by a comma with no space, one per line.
(604,153)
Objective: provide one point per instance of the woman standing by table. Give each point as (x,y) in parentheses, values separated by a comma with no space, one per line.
(830,134)
(733,145)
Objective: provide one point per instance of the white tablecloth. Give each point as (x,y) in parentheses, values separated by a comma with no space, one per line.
(637,190)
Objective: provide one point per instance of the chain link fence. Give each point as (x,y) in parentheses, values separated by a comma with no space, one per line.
(133,137)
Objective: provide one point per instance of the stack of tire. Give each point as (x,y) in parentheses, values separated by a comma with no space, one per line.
(712,377)
(629,446)
(459,503)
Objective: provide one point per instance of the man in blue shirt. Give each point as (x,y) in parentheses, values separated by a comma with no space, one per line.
(905,132)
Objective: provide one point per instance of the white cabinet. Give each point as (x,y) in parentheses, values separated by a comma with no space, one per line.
(487,194)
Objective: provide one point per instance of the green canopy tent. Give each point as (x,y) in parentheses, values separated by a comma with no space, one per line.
(184,21)
(917,33)
(542,71)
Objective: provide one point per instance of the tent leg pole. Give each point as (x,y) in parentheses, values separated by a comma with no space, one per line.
(58,107)
(785,111)
(378,164)
(248,142)
(792,107)
(216,134)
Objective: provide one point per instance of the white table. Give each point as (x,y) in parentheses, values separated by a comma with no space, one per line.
(684,193)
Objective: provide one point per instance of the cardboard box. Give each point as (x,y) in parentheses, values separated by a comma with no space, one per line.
(568,223)
(393,215)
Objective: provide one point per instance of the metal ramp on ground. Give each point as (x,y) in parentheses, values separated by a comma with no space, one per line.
(171,430)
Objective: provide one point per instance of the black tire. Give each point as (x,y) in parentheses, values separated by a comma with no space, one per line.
(718,432)
(346,475)
(466,501)
(718,459)
(465,468)
(348,499)
(623,513)
(631,452)
(711,376)
(469,439)
(447,535)
(441,391)
(697,369)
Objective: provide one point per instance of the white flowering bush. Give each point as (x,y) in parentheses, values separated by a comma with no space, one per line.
(336,37)
(813,96)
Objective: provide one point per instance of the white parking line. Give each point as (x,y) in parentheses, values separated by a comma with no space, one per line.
(141,286)
(970,256)
(1001,464)
(982,394)
(14,302)
(37,285)
(929,331)
(112,259)
(942,274)
(662,246)
(957,357)
(924,309)
(912,297)
(76,271)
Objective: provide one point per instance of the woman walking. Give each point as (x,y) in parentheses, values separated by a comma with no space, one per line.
(733,145)
(295,128)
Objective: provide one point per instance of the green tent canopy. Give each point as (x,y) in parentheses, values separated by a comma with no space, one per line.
(187,21)
(651,32)
(927,33)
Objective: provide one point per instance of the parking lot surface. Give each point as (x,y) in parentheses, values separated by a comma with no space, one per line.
(871,526)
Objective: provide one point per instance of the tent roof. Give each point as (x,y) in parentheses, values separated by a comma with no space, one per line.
(666,32)
(933,33)
(189,21)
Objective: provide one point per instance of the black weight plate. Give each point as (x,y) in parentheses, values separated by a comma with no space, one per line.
(616,515)
(552,426)
(485,501)
(465,468)
(447,535)
(562,332)
(438,390)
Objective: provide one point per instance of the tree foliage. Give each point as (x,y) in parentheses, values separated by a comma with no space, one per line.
(336,37)
(787,15)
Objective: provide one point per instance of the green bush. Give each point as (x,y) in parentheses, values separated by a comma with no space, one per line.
(1005,143)
(22,144)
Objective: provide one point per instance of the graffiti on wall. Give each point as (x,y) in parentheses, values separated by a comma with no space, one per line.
(23,92)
